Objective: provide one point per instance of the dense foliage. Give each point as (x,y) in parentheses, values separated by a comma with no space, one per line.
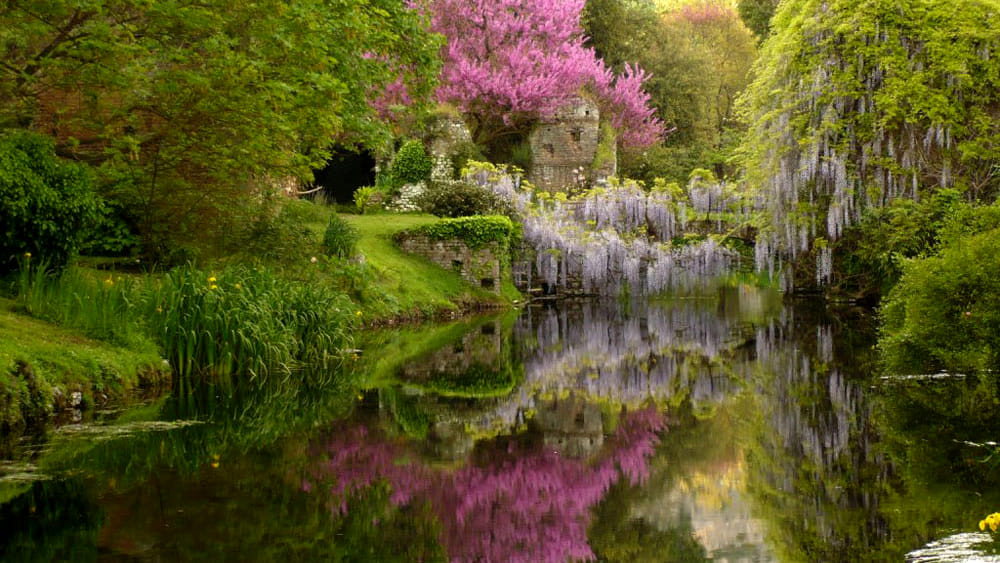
(458,198)
(245,323)
(47,204)
(190,108)
(474,231)
(411,164)
(856,103)
(698,55)
(945,311)
(757,14)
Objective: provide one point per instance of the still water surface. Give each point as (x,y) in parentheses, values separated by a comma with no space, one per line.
(731,428)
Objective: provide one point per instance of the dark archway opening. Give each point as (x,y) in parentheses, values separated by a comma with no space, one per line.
(345,172)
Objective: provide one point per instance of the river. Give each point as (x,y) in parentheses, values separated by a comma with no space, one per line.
(734,427)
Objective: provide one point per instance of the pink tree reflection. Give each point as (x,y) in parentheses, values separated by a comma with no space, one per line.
(524,504)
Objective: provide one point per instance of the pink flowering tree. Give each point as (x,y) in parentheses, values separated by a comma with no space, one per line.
(511,63)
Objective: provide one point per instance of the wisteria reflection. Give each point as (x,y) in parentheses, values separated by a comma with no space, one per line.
(773,450)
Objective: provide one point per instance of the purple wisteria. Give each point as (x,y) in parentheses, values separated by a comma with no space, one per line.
(609,239)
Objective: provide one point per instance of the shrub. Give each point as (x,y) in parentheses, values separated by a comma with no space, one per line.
(411,164)
(112,235)
(281,239)
(341,238)
(476,232)
(462,154)
(456,198)
(368,199)
(47,204)
(872,252)
(945,311)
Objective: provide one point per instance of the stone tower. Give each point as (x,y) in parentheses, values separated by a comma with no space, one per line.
(567,144)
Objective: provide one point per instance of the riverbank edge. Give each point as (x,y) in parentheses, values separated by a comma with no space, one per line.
(47,369)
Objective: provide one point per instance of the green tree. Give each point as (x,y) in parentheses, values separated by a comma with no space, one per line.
(756,14)
(699,56)
(856,103)
(191,107)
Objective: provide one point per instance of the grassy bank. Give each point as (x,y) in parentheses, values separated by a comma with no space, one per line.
(42,365)
(263,315)
(397,285)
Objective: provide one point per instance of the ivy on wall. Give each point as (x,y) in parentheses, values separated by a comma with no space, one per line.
(476,232)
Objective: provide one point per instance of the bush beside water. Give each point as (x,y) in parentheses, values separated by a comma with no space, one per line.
(247,323)
(945,311)
(240,324)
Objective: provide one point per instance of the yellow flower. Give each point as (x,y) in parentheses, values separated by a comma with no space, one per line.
(159,309)
(358,313)
(27,255)
(213,286)
(238,286)
(992,521)
(109,281)
(211,279)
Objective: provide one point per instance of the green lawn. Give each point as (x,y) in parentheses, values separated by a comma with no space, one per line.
(407,284)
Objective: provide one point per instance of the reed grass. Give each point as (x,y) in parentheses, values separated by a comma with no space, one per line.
(246,324)
(101,305)
(236,328)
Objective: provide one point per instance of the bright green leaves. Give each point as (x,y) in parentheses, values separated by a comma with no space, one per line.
(46,204)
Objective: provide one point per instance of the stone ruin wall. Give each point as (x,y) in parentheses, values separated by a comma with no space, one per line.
(567,144)
(479,267)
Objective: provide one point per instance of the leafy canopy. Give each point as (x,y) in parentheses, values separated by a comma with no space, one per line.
(856,103)
(188,107)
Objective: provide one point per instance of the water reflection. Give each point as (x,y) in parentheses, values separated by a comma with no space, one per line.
(730,428)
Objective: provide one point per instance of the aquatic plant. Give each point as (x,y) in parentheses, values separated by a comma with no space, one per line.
(245,324)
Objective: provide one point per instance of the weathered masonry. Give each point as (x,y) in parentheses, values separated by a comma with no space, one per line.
(480,267)
(571,145)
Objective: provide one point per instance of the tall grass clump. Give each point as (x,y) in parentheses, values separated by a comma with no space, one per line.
(340,238)
(246,324)
(101,305)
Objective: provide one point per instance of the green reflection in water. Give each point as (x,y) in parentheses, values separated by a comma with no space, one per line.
(783,445)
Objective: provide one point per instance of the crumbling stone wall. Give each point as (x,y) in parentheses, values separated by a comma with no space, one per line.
(480,267)
(565,147)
